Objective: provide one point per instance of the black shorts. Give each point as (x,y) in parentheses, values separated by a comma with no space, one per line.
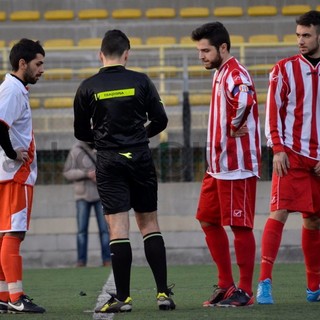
(127,179)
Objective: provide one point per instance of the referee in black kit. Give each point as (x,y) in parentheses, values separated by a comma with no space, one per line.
(111,109)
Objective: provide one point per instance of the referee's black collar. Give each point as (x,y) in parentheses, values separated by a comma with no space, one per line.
(112,67)
(23,82)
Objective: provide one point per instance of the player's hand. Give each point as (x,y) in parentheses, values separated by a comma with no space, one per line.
(281,164)
(239,133)
(317,169)
(22,155)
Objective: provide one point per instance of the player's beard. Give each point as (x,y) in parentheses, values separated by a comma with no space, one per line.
(216,63)
(29,77)
(312,51)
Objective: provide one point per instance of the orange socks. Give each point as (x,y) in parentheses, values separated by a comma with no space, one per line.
(11,263)
(4,293)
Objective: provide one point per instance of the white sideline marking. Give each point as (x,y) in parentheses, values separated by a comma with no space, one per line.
(109,286)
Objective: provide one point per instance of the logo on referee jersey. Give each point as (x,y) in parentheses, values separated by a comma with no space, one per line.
(237,213)
(128,155)
(114,94)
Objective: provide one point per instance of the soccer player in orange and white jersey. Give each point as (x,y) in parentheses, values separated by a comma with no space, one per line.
(233,154)
(18,171)
(293,133)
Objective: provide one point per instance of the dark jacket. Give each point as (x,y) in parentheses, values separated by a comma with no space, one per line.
(119,102)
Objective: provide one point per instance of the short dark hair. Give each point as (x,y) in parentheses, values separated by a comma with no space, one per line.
(215,32)
(310,18)
(114,43)
(24,49)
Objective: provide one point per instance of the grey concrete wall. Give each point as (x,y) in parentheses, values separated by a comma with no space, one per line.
(51,240)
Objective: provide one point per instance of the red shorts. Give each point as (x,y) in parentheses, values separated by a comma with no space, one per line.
(15,206)
(227,202)
(299,189)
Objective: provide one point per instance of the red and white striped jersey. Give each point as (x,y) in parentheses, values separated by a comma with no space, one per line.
(293,107)
(233,104)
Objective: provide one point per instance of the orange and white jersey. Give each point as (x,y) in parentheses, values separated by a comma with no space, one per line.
(293,107)
(233,105)
(15,112)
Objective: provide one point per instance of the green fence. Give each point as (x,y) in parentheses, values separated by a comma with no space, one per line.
(169,158)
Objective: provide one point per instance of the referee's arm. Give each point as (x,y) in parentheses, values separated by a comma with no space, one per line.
(158,120)
(82,119)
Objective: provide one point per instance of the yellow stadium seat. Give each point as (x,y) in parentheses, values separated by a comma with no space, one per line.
(25,15)
(160,40)
(126,13)
(263,38)
(134,68)
(295,9)
(290,38)
(260,69)
(2,43)
(84,73)
(3,16)
(61,102)
(200,99)
(256,11)
(186,40)
(170,99)
(194,12)
(262,97)
(89,42)
(91,14)
(58,74)
(160,13)
(11,43)
(54,43)
(58,15)
(156,71)
(228,11)
(234,39)
(135,41)
(34,103)
(3,72)
(198,71)
(318,7)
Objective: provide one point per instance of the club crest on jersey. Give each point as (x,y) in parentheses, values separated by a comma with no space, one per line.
(237,213)
(243,88)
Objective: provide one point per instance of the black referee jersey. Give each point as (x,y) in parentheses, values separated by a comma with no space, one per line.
(112,107)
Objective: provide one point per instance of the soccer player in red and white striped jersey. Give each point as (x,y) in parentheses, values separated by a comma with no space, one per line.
(233,154)
(293,133)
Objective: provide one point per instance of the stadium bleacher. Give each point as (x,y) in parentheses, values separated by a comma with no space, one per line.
(71,32)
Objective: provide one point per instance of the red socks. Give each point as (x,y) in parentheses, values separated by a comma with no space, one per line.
(218,244)
(270,244)
(245,250)
(310,248)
